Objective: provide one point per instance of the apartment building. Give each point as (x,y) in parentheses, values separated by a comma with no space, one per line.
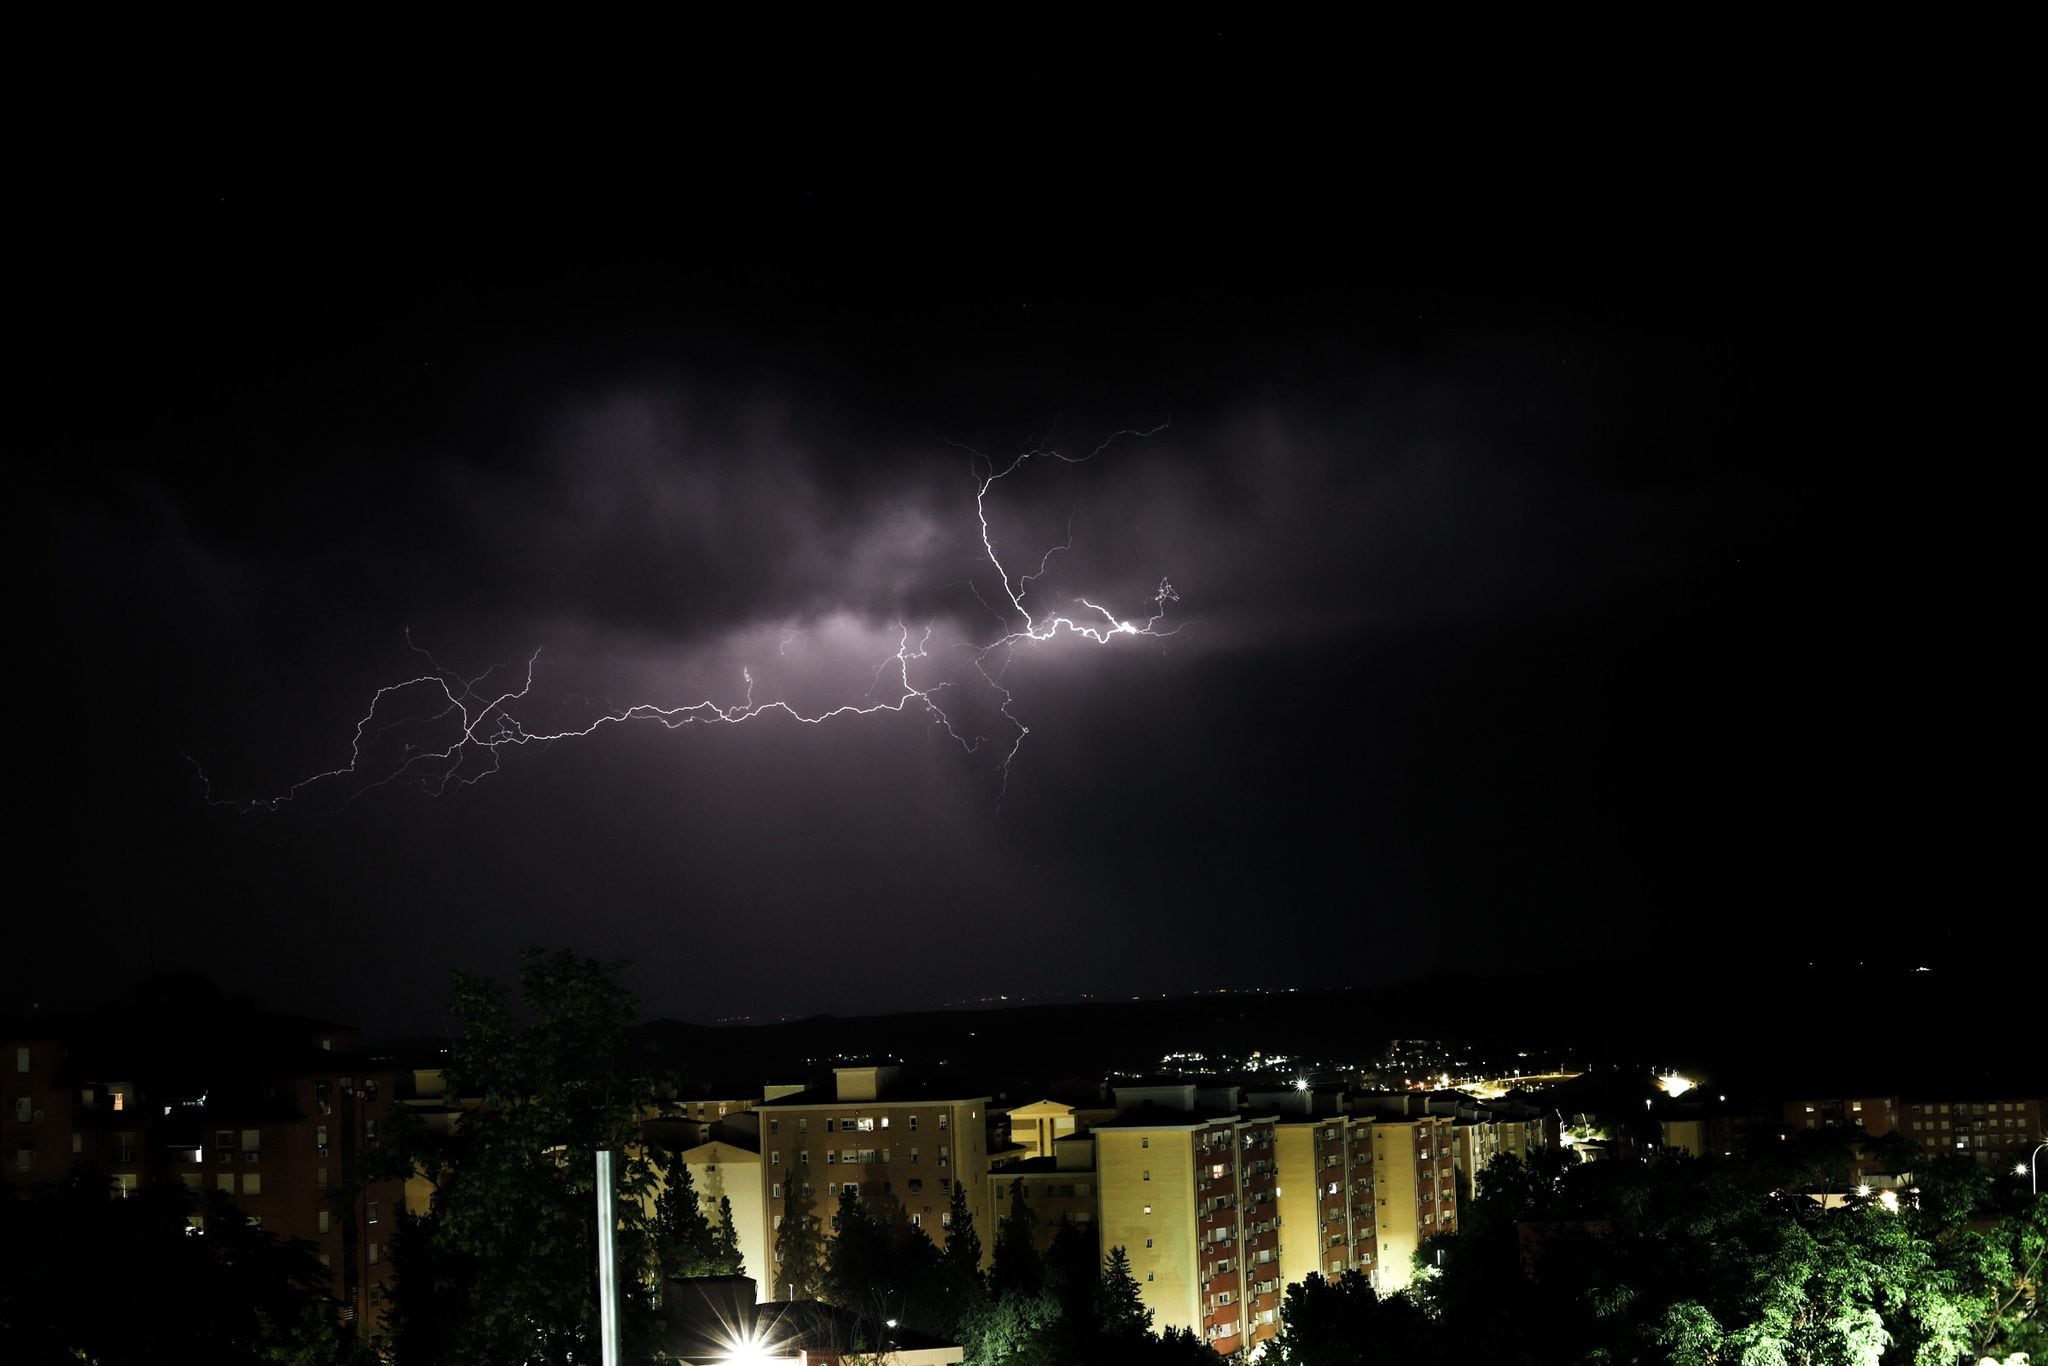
(902,1144)
(1190,1190)
(1329,1216)
(1999,1132)
(1993,1129)
(272,1111)
(1414,1170)
(722,1169)
(1036,1126)
(1060,1186)
(1875,1115)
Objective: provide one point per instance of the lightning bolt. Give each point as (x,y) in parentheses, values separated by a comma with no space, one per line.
(485,723)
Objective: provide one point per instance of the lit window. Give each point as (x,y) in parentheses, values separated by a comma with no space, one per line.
(252,1183)
(372,1217)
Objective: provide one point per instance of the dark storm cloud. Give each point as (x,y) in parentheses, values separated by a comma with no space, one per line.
(1422,605)
(654,539)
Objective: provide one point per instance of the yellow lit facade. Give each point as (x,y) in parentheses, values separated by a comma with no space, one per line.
(1328,1206)
(1416,1177)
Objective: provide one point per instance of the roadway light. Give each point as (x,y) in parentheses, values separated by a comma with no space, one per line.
(748,1350)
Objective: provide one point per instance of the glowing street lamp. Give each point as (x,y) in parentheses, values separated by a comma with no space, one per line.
(2033,1164)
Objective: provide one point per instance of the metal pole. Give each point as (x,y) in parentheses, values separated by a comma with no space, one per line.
(607,1263)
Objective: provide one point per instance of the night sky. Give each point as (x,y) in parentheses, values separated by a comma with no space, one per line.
(1585,539)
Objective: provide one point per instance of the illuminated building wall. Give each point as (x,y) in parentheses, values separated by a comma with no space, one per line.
(1035,1127)
(1329,1212)
(1414,1170)
(723,1169)
(904,1147)
(1193,1198)
(1062,1186)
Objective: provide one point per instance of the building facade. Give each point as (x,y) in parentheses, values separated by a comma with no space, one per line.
(903,1147)
(1329,1215)
(1193,1198)
(1415,1175)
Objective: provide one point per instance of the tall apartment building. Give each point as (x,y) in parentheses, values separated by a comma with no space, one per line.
(1329,1216)
(1414,1169)
(1191,1192)
(1875,1115)
(272,1111)
(1480,1134)
(902,1145)
(1996,1132)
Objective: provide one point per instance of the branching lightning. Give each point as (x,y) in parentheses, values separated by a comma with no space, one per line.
(485,724)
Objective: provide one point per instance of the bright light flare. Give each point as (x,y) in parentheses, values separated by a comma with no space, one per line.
(750,1351)
(1673,1085)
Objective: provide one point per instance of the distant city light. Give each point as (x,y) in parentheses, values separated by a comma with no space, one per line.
(1301,1083)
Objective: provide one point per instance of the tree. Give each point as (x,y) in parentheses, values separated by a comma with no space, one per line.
(963,1244)
(1073,1270)
(799,1246)
(684,1242)
(511,1238)
(1123,1314)
(725,1243)
(231,1294)
(858,1273)
(1017,1269)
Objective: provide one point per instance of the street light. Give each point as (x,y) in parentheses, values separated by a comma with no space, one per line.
(2032,1163)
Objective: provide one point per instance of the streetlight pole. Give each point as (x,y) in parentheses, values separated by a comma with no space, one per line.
(2034,1165)
(607,1264)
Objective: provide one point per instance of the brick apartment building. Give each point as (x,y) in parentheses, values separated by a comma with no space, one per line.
(271,1111)
(1993,1129)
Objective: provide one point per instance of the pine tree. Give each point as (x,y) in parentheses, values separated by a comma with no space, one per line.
(1017,1269)
(725,1243)
(799,1246)
(684,1243)
(965,1294)
(1073,1270)
(963,1244)
(857,1272)
(1123,1313)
